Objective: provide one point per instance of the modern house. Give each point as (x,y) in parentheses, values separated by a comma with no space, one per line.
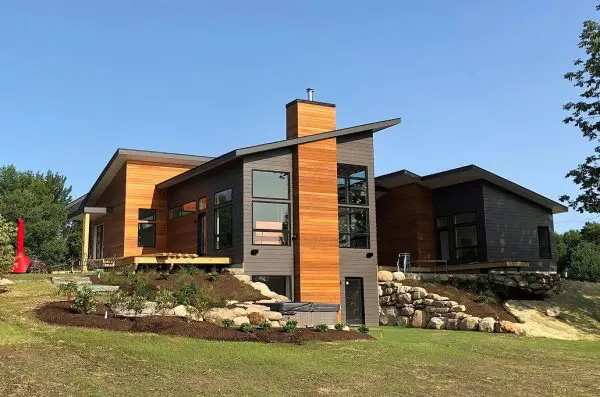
(300,214)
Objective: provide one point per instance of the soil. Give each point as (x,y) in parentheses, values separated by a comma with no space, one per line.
(62,314)
(478,309)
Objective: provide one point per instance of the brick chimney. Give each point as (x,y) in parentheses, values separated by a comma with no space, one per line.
(308,117)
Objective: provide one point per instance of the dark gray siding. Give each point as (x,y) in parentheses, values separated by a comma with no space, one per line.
(511,228)
(458,199)
(270,260)
(206,185)
(358,150)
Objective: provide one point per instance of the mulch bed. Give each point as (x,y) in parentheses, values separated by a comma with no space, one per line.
(61,313)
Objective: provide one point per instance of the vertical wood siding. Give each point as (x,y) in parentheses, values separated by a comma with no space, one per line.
(304,119)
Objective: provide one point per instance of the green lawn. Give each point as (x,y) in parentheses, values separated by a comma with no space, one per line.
(39,359)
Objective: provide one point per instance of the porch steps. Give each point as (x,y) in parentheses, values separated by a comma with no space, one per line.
(81,281)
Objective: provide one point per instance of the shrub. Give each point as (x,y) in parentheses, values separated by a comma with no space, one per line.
(7,252)
(213,276)
(585,262)
(221,303)
(265,325)
(68,290)
(321,327)
(190,271)
(137,303)
(363,329)
(140,286)
(227,323)
(339,326)
(85,300)
(127,272)
(186,294)
(246,327)
(290,326)
(115,299)
(486,298)
(165,300)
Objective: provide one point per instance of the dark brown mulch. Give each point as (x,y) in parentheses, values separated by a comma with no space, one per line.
(478,309)
(61,313)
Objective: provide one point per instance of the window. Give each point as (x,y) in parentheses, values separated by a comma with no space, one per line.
(146,228)
(465,236)
(202,204)
(271,184)
(271,215)
(353,200)
(182,210)
(279,284)
(443,238)
(544,242)
(223,220)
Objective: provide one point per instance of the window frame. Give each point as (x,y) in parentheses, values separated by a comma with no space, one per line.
(289,192)
(548,241)
(350,206)
(217,207)
(289,230)
(438,231)
(147,222)
(347,184)
(455,226)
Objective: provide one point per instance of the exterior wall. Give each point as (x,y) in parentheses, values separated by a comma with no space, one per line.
(114,222)
(458,199)
(358,150)
(405,224)
(511,228)
(141,192)
(308,118)
(184,229)
(270,260)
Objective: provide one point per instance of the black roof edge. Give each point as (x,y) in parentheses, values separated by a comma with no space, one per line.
(332,105)
(397,173)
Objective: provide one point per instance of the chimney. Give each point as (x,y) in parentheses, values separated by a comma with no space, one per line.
(308,117)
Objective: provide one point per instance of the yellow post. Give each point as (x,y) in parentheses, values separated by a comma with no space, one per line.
(86,241)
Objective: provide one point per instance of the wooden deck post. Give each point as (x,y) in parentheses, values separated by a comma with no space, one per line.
(85,243)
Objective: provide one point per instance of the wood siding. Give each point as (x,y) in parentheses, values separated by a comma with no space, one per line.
(317,268)
(206,185)
(114,222)
(270,260)
(358,150)
(511,224)
(304,119)
(141,192)
(405,224)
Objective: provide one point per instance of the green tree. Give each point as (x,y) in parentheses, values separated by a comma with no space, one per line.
(565,245)
(7,241)
(591,232)
(585,262)
(584,115)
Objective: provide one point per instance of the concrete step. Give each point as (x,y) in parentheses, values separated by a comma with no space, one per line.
(76,280)
(103,289)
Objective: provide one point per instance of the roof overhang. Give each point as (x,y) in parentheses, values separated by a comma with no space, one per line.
(228,157)
(461,175)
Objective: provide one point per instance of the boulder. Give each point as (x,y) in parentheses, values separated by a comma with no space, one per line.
(439,304)
(180,311)
(417,319)
(508,327)
(432,296)
(257,318)
(404,289)
(280,298)
(398,276)
(418,295)
(436,323)
(428,302)
(458,308)
(398,285)
(469,324)
(486,324)
(404,298)
(346,328)
(403,321)
(379,290)
(452,324)
(148,310)
(509,282)
(392,311)
(234,271)
(241,320)
(451,303)
(273,316)
(384,275)
(407,311)
(218,314)
(553,312)
(386,320)
(230,303)
(5,281)
(388,291)
(536,286)
(384,300)
(418,289)
(244,278)
(262,287)
(275,324)
(442,299)
(239,311)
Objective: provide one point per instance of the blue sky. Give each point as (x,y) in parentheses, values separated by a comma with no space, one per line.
(474,82)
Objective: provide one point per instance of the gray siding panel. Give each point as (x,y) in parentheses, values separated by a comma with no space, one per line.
(358,150)
(206,185)
(511,227)
(270,260)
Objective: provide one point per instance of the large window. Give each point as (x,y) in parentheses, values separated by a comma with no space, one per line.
(146,227)
(182,210)
(353,200)
(465,236)
(544,242)
(443,238)
(271,214)
(223,219)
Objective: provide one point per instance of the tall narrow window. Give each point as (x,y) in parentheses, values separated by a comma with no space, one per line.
(223,219)
(465,236)
(443,238)
(271,215)
(146,227)
(353,210)
(544,242)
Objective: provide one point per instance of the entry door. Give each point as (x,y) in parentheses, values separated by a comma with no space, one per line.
(99,242)
(202,233)
(355,307)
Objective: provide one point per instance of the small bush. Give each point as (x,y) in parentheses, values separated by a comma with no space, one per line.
(486,298)
(339,326)
(139,285)
(137,303)
(221,303)
(127,272)
(68,290)
(165,300)
(115,299)
(246,327)
(290,326)
(191,271)
(363,329)
(213,276)
(227,323)
(265,325)
(321,327)
(85,300)
(186,295)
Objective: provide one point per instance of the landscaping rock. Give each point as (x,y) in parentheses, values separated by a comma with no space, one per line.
(102,289)
(417,319)
(384,275)
(391,311)
(436,323)
(452,324)
(180,311)
(244,278)
(149,310)
(432,296)
(508,327)
(257,318)
(379,290)
(262,287)
(273,316)
(275,324)
(469,324)
(553,312)
(239,311)
(386,320)
(76,280)
(230,303)
(404,298)
(241,320)
(403,321)
(217,315)
(407,311)
(486,324)
(5,281)
(398,276)
(458,308)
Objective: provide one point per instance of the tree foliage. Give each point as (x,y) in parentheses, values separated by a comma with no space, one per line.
(579,252)
(7,249)
(40,199)
(585,116)
(585,262)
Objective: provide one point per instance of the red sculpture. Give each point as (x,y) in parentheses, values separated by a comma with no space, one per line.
(21,260)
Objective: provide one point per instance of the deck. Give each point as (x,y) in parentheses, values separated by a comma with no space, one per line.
(164,258)
(469,267)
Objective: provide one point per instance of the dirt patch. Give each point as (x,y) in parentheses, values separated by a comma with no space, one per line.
(478,309)
(61,313)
